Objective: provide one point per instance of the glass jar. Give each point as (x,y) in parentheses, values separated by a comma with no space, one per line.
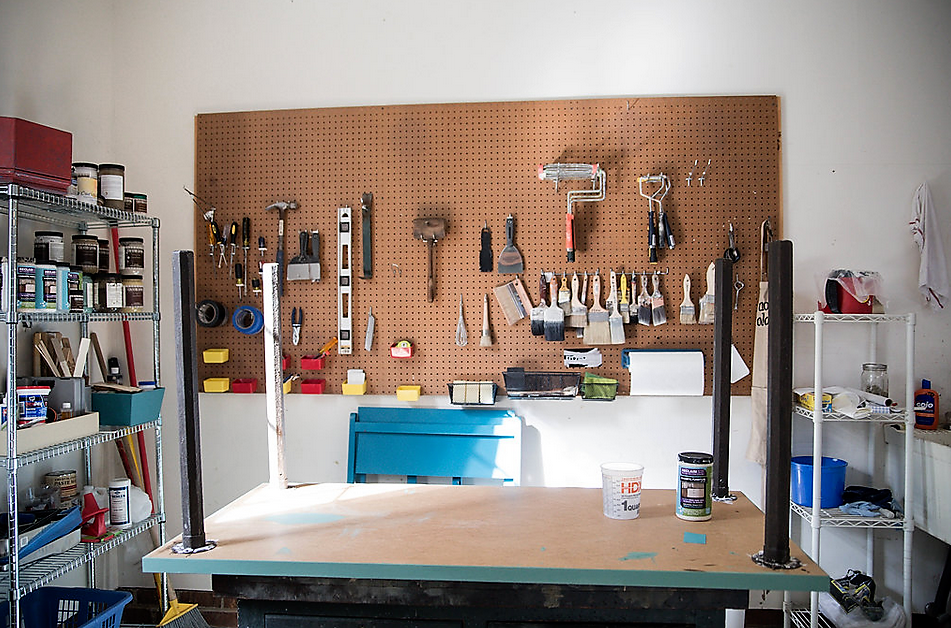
(875,378)
(133,292)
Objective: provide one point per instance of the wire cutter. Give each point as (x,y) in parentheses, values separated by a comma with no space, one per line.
(297,318)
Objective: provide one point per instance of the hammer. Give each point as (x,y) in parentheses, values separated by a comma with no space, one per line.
(282,208)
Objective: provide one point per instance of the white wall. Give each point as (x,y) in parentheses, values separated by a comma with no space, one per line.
(865,119)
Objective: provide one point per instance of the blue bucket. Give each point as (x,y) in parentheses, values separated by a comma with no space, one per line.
(833,481)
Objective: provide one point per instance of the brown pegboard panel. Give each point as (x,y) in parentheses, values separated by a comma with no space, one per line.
(471,163)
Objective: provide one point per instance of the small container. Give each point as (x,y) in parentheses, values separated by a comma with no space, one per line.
(120,511)
(86,253)
(621,489)
(62,287)
(103,255)
(26,285)
(74,283)
(46,287)
(926,407)
(214,356)
(313,386)
(695,486)
(408,393)
(875,378)
(48,247)
(216,384)
(65,481)
(832,477)
(109,289)
(354,389)
(133,293)
(246,385)
(112,185)
(86,180)
(312,363)
(32,404)
(137,203)
(131,256)
(89,292)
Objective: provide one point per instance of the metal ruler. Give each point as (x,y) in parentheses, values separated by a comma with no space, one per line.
(344,283)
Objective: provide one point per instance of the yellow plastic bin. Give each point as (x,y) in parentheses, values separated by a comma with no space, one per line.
(354,389)
(408,393)
(217,384)
(215,356)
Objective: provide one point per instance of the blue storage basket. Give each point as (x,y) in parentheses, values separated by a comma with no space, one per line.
(833,481)
(69,607)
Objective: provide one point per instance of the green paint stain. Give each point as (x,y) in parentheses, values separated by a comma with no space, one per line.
(284,550)
(543,549)
(303,518)
(640,556)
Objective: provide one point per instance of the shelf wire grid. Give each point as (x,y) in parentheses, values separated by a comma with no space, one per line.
(103,436)
(68,212)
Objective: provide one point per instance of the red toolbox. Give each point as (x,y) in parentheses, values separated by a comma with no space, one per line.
(35,155)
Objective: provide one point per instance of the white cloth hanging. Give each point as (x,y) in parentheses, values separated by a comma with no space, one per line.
(933,282)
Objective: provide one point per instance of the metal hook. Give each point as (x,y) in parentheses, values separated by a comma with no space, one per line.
(395,268)
(704,173)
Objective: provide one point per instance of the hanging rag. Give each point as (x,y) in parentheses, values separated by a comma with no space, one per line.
(756,447)
(933,281)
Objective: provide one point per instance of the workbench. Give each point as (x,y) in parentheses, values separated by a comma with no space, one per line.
(444,555)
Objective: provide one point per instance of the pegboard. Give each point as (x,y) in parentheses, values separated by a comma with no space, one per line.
(475,164)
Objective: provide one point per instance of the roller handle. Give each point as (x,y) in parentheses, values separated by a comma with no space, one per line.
(542,288)
(431,281)
(665,229)
(651,237)
(570,235)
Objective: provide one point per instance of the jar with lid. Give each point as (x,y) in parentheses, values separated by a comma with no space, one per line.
(89,292)
(103,256)
(46,286)
(48,247)
(112,185)
(86,252)
(133,293)
(74,284)
(131,256)
(109,287)
(875,378)
(86,179)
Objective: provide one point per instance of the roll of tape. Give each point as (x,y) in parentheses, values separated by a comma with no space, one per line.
(248,320)
(211,313)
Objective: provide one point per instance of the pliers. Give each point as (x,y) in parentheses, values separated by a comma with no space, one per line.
(297,318)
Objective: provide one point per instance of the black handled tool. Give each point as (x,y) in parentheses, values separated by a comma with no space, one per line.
(233,244)
(366,204)
(246,241)
(651,235)
(732,253)
(485,252)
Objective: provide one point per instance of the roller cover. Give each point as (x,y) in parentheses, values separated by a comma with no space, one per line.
(665,373)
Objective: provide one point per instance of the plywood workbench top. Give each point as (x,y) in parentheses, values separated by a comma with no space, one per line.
(483,533)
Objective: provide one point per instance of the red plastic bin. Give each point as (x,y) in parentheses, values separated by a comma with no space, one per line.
(313,386)
(245,385)
(312,363)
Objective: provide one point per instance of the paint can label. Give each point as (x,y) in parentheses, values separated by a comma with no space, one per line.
(694,497)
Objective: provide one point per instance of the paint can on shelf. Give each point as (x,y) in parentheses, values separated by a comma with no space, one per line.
(694,486)
(103,255)
(133,293)
(136,203)
(112,185)
(62,287)
(26,284)
(86,180)
(131,256)
(46,287)
(120,513)
(86,252)
(48,247)
(65,481)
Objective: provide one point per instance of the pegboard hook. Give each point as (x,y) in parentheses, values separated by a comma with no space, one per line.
(396,270)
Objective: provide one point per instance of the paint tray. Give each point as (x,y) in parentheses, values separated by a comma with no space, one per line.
(522,384)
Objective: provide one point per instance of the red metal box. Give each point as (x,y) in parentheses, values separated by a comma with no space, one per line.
(35,155)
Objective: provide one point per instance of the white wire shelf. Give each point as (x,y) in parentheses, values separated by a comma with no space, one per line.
(835,518)
(852,318)
(800,618)
(43,571)
(894,417)
(104,435)
(69,212)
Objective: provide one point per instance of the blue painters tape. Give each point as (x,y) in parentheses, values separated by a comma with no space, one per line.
(693,537)
(248,320)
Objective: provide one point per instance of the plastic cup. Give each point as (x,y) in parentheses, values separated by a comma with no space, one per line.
(621,489)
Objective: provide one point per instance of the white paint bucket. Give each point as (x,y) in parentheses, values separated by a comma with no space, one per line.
(621,489)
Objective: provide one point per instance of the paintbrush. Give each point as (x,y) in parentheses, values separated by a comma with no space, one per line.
(486,340)
(598,329)
(615,322)
(554,315)
(625,305)
(688,313)
(538,312)
(583,299)
(564,295)
(708,300)
(658,313)
(579,313)
(644,303)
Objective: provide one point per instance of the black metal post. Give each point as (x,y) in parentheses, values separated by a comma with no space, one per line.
(722,343)
(779,407)
(186,385)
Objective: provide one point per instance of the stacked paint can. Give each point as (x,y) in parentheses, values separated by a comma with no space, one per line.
(695,486)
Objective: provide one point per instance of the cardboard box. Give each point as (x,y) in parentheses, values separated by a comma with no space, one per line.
(35,155)
(120,408)
(48,434)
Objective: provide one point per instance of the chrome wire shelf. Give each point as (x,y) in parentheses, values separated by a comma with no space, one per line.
(43,571)
(835,518)
(40,316)
(852,318)
(104,435)
(895,417)
(800,618)
(69,212)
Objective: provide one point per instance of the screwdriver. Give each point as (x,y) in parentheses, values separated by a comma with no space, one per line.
(246,241)
(215,232)
(233,243)
(256,285)
(239,278)
(212,240)
(261,249)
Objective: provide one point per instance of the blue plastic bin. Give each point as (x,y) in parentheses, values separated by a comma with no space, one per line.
(118,408)
(68,607)
(833,481)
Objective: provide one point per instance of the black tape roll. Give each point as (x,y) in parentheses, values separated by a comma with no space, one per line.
(211,313)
